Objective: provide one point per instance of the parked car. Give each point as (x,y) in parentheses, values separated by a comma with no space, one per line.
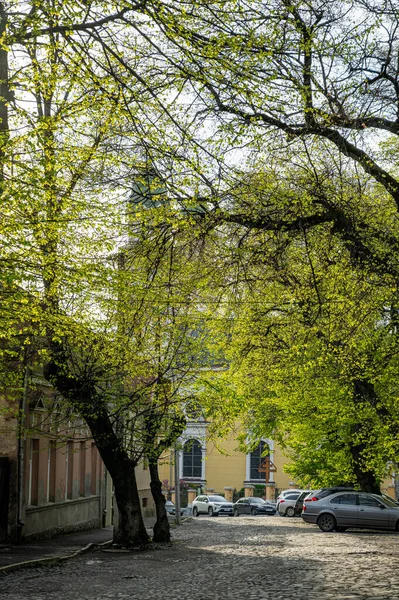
(283,493)
(327,491)
(286,505)
(324,492)
(298,506)
(171,508)
(212,506)
(352,509)
(389,498)
(253,506)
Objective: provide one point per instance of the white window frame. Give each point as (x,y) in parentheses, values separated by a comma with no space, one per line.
(270,443)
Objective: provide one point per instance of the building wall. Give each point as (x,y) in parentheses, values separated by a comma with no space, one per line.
(283,480)
(63,486)
(226,467)
(62,482)
(143,484)
(9,456)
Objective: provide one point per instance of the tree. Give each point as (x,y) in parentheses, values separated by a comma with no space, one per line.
(293,79)
(56,161)
(313,358)
(101,96)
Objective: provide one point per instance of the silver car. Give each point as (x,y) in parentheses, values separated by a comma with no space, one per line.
(352,509)
(212,505)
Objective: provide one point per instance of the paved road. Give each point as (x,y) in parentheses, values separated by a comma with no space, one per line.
(246,558)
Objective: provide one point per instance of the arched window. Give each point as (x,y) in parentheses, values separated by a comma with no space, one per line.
(192,459)
(257,457)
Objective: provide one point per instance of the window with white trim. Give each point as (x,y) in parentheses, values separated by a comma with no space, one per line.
(257,456)
(192,459)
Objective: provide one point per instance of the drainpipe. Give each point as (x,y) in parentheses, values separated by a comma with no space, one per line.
(170,473)
(177,487)
(21,451)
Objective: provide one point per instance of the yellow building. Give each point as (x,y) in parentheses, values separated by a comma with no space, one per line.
(225,470)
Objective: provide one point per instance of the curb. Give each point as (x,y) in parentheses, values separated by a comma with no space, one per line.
(51,560)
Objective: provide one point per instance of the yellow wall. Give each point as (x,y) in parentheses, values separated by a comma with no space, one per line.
(222,470)
(282,479)
(225,466)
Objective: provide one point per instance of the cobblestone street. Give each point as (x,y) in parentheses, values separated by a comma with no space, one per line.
(224,558)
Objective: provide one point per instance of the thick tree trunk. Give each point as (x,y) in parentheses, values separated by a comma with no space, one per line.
(364,392)
(161,527)
(130,530)
(365,479)
(396,483)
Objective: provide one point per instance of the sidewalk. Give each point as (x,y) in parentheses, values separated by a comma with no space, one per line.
(57,548)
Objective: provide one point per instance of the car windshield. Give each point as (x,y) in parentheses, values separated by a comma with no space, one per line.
(257,501)
(389,501)
(217,499)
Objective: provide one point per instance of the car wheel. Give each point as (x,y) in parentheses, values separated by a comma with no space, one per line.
(210,511)
(195,512)
(327,522)
(253,512)
(290,512)
(236,513)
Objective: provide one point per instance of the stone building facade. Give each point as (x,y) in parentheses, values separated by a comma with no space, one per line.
(51,476)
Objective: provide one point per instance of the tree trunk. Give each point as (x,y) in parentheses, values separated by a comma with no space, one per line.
(5,95)
(130,530)
(161,527)
(396,482)
(365,479)
(364,392)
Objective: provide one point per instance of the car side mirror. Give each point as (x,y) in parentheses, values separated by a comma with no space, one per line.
(382,506)
(206,499)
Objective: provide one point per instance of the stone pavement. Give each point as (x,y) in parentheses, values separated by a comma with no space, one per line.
(61,546)
(251,558)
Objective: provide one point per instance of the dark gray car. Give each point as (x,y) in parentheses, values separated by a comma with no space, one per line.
(253,506)
(352,509)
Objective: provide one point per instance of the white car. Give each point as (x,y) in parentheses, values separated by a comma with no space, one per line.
(284,493)
(211,505)
(286,505)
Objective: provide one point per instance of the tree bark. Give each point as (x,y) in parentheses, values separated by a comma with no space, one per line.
(365,479)
(161,527)
(130,529)
(5,95)
(364,392)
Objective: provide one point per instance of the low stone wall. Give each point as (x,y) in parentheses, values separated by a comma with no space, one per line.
(62,517)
